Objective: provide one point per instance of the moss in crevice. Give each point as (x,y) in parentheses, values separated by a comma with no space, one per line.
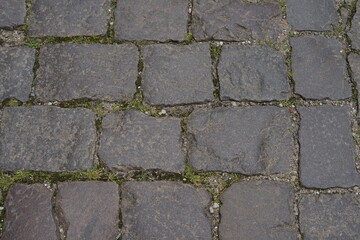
(215,53)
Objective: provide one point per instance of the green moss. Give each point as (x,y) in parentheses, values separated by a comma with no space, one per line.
(290,102)
(33,43)
(282,4)
(188,38)
(215,51)
(10,103)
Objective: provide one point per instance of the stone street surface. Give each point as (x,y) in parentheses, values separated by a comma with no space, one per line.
(179,120)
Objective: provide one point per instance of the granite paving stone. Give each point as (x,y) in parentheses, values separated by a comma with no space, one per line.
(47,138)
(236,20)
(164,210)
(177,74)
(248,140)
(12,13)
(327,148)
(354,32)
(133,139)
(29,213)
(354,62)
(68,17)
(255,73)
(93,71)
(330,216)
(159,20)
(319,68)
(16,72)
(90,209)
(313,15)
(258,210)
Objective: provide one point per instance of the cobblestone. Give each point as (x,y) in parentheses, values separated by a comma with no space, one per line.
(354,32)
(12,13)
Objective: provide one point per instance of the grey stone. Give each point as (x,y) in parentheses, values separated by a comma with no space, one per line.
(16,72)
(327,149)
(90,209)
(159,20)
(131,138)
(354,32)
(255,73)
(258,210)
(250,140)
(68,17)
(177,74)
(319,68)
(95,71)
(316,15)
(12,13)
(237,20)
(164,210)
(29,213)
(47,138)
(354,61)
(330,217)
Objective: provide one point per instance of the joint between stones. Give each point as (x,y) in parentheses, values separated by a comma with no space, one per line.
(215,52)
(61,224)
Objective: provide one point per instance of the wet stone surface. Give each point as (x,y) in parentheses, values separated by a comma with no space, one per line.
(68,17)
(251,140)
(255,73)
(332,216)
(164,210)
(177,74)
(258,210)
(327,148)
(133,139)
(47,138)
(29,213)
(16,72)
(354,32)
(90,209)
(236,20)
(12,13)
(94,71)
(319,68)
(146,20)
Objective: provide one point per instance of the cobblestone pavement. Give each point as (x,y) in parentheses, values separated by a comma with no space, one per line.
(179,119)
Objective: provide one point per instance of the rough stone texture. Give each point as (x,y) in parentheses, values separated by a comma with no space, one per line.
(236,20)
(354,32)
(16,72)
(250,140)
(95,71)
(68,17)
(151,20)
(12,13)
(133,139)
(164,210)
(319,68)
(327,149)
(258,210)
(90,209)
(177,74)
(47,138)
(252,73)
(316,15)
(29,213)
(332,216)
(354,61)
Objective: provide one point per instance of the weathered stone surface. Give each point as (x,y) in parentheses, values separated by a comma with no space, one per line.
(328,216)
(354,32)
(354,61)
(319,68)
(151,20)
(177,74)
(252,73)
(90,209)
(12,13)
(133,139)
(236,20)
(68,17)
(258,210)
(47,138)
(29,213)
(327,157)
(250,140)
(164,210)
(95,71)
(316,15)
(16,72)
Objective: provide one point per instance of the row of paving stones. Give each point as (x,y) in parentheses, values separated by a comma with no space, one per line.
(247,140)
(172,210)
(177,74)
